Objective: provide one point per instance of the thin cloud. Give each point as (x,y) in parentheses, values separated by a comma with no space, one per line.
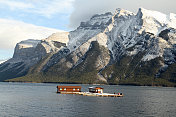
(12,32)
(54,7)
(14,5)
(45,8)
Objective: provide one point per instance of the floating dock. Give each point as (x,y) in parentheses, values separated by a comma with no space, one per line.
(100,94)
(93,91)
(94,94)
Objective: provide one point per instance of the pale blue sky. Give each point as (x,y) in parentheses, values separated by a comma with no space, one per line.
(16,16)
(47,13)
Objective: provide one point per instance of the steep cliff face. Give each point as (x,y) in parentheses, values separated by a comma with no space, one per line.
(119,48)
(28,53)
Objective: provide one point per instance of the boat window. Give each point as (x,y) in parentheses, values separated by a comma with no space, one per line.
(74,89)
(64,88)
(78,89)
(60,88)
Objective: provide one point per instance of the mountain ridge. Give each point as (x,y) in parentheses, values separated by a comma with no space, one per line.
(119,48)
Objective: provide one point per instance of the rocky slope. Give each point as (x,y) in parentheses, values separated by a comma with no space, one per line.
(119,48)
(29,52)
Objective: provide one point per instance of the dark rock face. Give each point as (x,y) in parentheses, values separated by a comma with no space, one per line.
(25,49)
(164,34)
(55,58)
(9,70)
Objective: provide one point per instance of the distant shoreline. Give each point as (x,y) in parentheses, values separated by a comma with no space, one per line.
(89,84)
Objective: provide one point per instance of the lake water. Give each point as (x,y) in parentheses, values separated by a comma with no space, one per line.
(41,100)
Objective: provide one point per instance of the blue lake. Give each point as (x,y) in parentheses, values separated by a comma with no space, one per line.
(41,100)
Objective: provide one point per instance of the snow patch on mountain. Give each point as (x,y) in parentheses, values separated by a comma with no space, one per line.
(59,37)
(2,61)
(87,30)
(30,43)
(160,17)
(154,21)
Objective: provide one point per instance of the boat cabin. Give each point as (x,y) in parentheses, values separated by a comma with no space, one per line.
(95,89)
(64,89)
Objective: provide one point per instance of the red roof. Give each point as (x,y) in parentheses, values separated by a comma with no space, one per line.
(71,87)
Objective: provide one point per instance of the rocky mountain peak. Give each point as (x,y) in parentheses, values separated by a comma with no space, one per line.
(96,22)
(88,29)
(154,21)
(122,12)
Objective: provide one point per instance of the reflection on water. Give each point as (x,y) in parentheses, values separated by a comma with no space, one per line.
(36,100)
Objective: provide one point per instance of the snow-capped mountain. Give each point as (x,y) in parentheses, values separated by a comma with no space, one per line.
(119,48)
